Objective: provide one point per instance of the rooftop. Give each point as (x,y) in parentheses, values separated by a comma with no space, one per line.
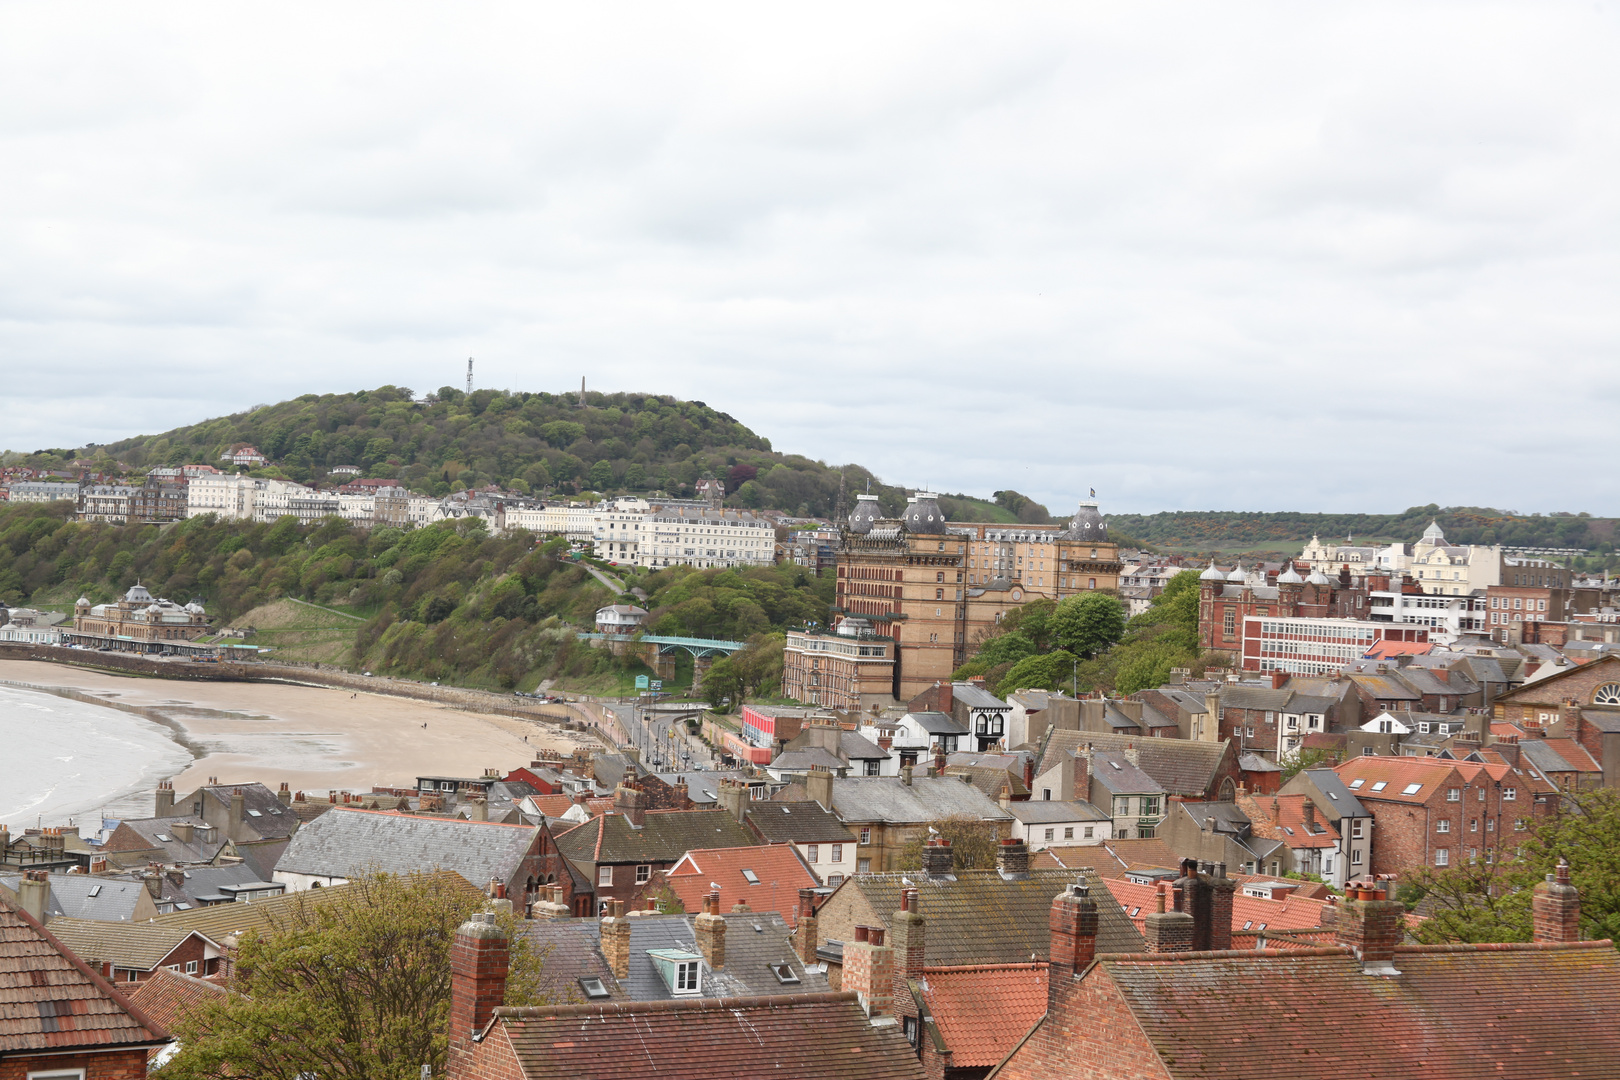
(764,878)
(346,844)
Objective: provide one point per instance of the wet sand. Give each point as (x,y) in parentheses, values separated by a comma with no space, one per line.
(313,738)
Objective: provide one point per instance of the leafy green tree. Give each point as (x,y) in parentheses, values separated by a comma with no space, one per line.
(355,986)
(723,685)
(1052,671)
(973,845)
(602,475)
(1089,623)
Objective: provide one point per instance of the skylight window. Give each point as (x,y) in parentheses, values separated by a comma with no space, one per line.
(1262,926)
(1116,765)
(1381,785)
(254,813)
(1287,830)
(750,877)
(165,838)
(1354,784)
(594,988)
(1332,796)
(1411,789)
(95,890)
(1135,911)
(785,974)
(1248,925)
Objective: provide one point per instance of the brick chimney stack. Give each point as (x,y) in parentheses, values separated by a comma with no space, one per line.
(233,830)
(164,805)
(628,800)
(1369,923)
(1073,923)
(1570,714)
(550,905)
(733,795)
(32,892)
(869,971)
(937,857)
(1012,858)
(616,939)
(818,784)
(908,933)
(804,933)
(1168,929)
(1556,907)
(479,961)
(710,927)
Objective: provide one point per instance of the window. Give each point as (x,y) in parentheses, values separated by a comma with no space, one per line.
(1068,832)
(593,989)
(1145,832)
(686,977)
(1411,789)
(1088,832)
(1510,794)
(863,866)
(1442,826)
(1442,856)
(1356,783)
(1381,785)
(57,1074)
(1490,824)
(835,879)
(604,875)
(1473,824)
(1046,794)
(866,836)
(643,874)
(1355,829)
(1454,795)
(910,1027)
(1355,857)
(1519,825)
(191,967)
(812,853)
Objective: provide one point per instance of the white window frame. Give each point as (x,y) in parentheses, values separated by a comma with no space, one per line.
(56,1074)
(604,876)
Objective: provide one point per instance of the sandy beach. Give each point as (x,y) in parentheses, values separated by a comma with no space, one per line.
(313,738)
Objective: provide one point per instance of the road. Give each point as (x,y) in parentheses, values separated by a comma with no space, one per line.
(651,735)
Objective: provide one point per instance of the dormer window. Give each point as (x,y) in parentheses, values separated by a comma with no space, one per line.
(681,971)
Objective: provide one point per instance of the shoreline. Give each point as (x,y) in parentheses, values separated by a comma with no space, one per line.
(316,739)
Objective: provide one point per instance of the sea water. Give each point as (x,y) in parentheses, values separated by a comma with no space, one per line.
(65,762)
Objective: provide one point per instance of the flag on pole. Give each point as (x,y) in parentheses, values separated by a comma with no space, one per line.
(1093,493)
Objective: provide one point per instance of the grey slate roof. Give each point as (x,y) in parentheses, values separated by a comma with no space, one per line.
(857,747)
(1256,763)
(812,757)
(1310,703)
(1181,766)
(1238,696)
(666,836)
(348,843)
(975,696)
(70,896)
(797,823)
(703,788)
(980,917)
(938,723)
(1048,811)
(928,798)
(754,942)
(262,812)
(153,831)
(1342,800)
(1114,771)
(1152,718)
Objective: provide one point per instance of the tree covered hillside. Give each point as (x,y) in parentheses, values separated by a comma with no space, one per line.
(448,602)
(530,442)
(1207,530)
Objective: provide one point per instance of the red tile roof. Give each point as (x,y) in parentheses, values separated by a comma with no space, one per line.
(779,871)
(1282,818)
(806,1036)
(50,1000)
(1574,753)
(168,995)
(1384,647)
(1249,913)
(1453,1011)
(983,1010)
(1397,774)
(1111,858)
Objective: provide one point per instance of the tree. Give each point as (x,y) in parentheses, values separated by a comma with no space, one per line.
(355,986)
(1302,759)
(1489,899)
(602,475)
(973,844)
(1089,623)
(1053,671)
(723,685)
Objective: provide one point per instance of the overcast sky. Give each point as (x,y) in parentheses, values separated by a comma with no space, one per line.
(1198,256)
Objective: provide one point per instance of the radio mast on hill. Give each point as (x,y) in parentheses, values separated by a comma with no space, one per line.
(469,376)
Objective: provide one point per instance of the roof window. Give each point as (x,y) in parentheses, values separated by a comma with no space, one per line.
(1248,924)
(1381,785)
(165,838)
(785,974)
(254,813)
(1356,783)
(750,877)
(95,890)
(594,988)
(1332,796)
(1411,789)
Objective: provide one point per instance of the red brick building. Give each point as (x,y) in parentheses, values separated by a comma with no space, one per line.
(1225,600)
(1430,811)
(1366,1005)
(58,1016)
